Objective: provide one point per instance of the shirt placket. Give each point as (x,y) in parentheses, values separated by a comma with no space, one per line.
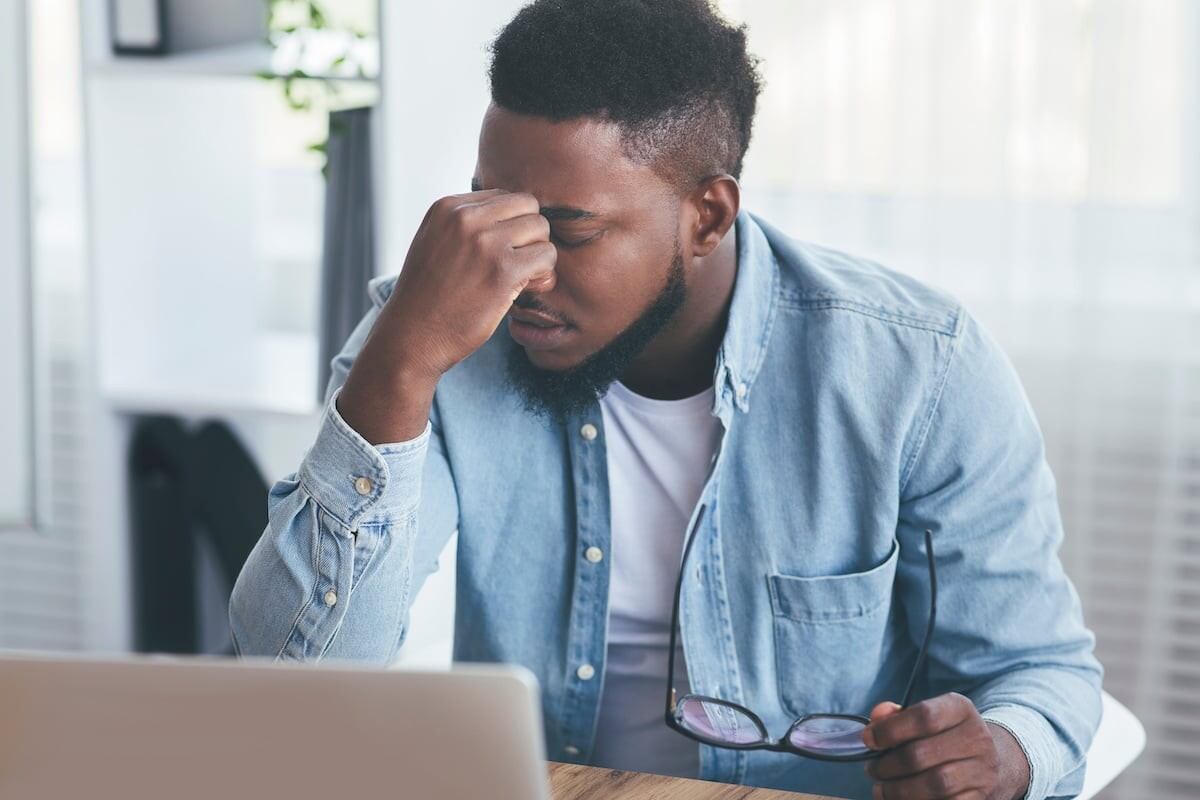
(589,597)
(706,626)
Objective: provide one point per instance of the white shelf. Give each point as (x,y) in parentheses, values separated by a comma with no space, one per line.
(162,402)
(281,379)
(310,51)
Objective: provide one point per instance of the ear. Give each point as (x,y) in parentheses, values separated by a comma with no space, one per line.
(715,203)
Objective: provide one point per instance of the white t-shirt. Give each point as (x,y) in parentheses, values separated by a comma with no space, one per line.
(658,458)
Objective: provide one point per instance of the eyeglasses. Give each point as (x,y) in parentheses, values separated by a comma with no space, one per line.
(826,737)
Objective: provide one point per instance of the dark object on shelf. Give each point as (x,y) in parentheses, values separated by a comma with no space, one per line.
(158,27)
(348,254)
(187,490)
(137,27)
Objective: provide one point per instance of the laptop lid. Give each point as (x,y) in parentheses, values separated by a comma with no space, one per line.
(197,730)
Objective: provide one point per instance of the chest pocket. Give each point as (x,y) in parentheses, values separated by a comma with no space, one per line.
(830,637)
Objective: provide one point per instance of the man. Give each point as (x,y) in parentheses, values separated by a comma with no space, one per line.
(595,352)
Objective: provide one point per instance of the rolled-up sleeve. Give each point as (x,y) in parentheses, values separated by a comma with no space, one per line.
(1048,775)
(1010,632)
(350,479)
(347,542)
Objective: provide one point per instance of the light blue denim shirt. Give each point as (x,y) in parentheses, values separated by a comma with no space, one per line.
(859,408)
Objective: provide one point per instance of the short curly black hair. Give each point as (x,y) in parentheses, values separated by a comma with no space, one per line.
(673,74)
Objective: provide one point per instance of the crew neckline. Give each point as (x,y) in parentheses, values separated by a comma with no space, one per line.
(695,405)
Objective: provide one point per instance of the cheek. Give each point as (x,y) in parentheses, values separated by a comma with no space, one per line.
(609,287)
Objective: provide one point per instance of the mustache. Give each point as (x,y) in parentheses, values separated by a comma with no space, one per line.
(529,302)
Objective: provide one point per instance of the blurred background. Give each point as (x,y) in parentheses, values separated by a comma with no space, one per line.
(193,193)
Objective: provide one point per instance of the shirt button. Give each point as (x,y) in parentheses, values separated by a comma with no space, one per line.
(331,598)
(588,432)
(363,485)
(594,555)
(585,672)
(571,750)
(741,391)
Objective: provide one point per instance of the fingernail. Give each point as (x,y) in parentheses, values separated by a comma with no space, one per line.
(869,738)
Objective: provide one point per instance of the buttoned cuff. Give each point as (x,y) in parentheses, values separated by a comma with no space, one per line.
(1038,741)
(354,481)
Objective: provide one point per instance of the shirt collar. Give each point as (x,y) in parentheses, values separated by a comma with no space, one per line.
(751,314)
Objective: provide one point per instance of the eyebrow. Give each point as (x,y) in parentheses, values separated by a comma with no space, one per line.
(554,213)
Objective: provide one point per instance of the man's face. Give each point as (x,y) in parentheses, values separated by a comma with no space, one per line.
(615,224)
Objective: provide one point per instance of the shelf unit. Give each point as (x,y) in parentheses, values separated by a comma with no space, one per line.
(205,210)
(309,52)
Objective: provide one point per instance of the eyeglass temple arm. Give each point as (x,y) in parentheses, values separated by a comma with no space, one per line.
(687,548)
(917,666)
(921,656)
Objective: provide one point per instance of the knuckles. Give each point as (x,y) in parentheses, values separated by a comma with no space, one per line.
(927,715)
(918,756)
(943,712)
(946,780)
(443,207)
(960,703)
(487,245)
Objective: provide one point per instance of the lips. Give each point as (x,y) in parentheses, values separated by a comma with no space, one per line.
(535,318)
(535,330)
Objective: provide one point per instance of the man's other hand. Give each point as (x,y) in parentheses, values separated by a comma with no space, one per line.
(943,748)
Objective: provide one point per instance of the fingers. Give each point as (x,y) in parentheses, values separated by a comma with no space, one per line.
(524,230)
(493,205)
(938,748)
(954,779)
(542,283)
(537,257)
(534,267)
(918,721)
(921,755)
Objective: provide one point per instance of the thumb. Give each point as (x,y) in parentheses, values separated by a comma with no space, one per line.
(878,713)
(543,282)
(884,710)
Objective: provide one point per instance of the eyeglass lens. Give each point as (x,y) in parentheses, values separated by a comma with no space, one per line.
(718,722)
(830,736)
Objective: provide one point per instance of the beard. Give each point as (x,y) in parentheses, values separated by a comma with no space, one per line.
(561,394)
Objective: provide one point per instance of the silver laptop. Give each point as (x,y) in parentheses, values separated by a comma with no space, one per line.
(86,729)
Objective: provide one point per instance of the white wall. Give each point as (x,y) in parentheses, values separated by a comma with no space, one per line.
(435,91)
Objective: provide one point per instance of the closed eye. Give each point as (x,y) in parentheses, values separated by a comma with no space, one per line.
(572,242)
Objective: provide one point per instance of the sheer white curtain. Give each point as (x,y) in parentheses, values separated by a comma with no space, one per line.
(1040,159)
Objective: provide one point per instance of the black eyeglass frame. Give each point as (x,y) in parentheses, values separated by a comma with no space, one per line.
(783,745)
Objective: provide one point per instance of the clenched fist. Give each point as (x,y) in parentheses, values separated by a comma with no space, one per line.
(471,258)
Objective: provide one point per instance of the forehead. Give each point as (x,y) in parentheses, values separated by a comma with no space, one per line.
(578,163)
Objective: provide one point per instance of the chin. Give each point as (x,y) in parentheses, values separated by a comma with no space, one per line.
(552,360)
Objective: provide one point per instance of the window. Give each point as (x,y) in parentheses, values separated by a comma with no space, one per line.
(15,376)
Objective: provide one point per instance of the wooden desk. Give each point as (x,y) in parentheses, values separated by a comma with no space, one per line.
(573,782)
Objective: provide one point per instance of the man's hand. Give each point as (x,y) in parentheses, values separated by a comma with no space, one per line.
(942,748)
(472,256)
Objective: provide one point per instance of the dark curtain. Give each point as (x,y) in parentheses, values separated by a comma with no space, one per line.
(348,258)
